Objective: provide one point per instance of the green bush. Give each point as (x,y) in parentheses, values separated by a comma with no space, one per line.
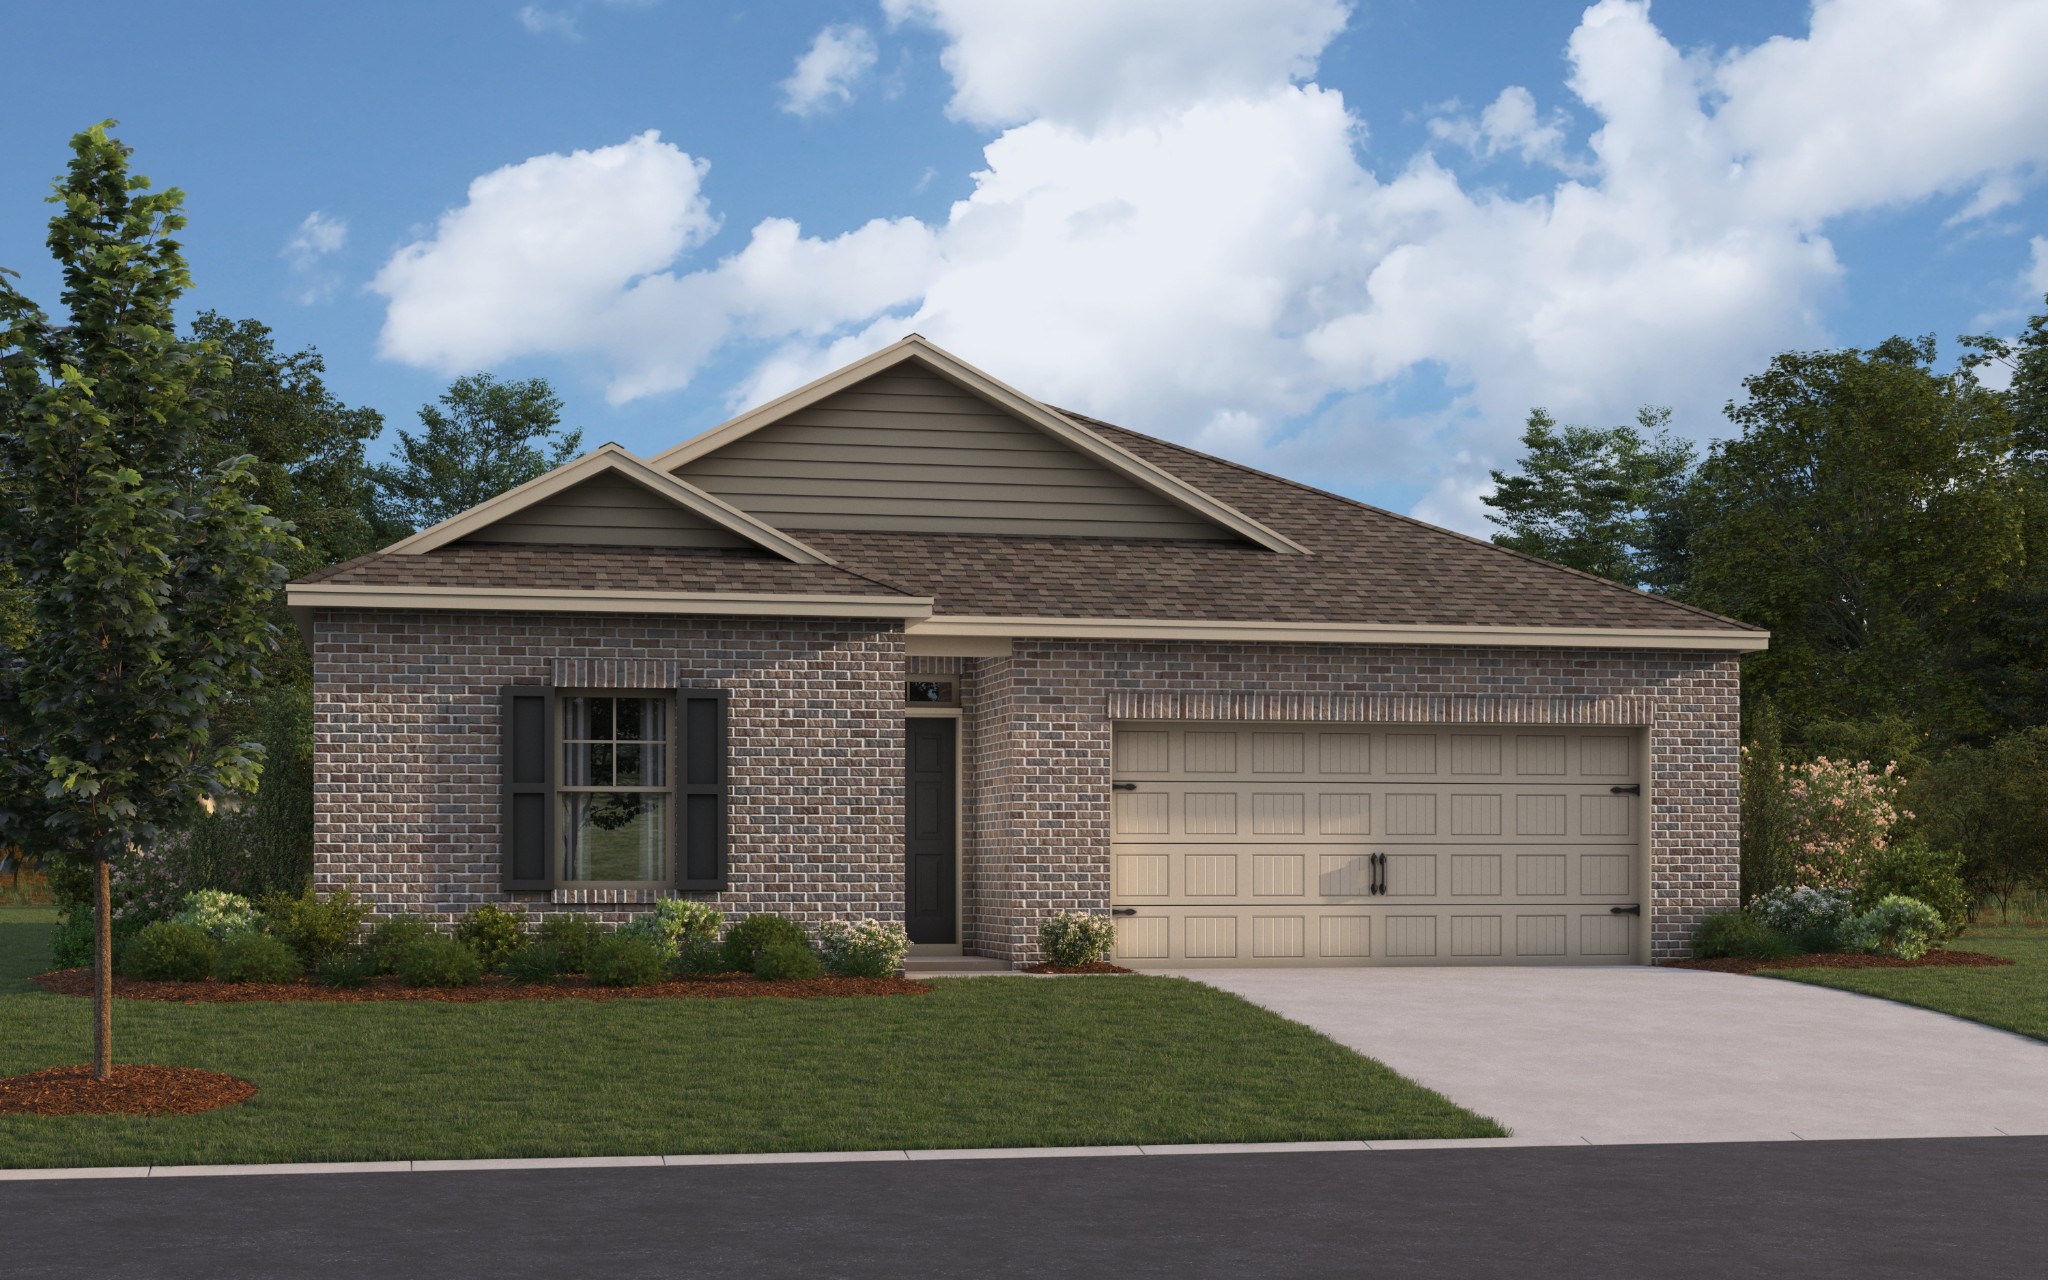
(623,960)
(535,962)
(674,919)
(788,962)
(313,928)
(571,936)
(1738,935)
(350,969)
(254,957)
(169,951)
(492,932)
(439,961)
(1912,869)
(699,958)
(1901,926)
(866,949)
(220,913)
(71,946)
(393,936)
(1076,937)
(745,941)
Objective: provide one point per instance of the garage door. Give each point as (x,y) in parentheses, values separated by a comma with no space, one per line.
(1291,844)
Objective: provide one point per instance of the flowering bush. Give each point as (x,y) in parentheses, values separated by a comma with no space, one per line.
(220,913)
(865,949)
(1900,926)
(1076,937)
(672,920)
(1840,814)
(1813,917)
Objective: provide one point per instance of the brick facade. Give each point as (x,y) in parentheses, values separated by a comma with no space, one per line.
(407,743)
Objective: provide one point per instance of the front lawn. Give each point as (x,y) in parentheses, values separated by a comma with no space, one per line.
(981,1062)
(2015,999)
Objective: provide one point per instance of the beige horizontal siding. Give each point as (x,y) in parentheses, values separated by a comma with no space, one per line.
(910,451)
(608,512)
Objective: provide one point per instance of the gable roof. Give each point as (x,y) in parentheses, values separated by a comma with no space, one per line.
(688,503)
(1159,488)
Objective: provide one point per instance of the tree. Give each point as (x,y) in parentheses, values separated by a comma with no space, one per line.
(486,437)
(1991,802)
(1867,514)
(1604,501)
(147,576)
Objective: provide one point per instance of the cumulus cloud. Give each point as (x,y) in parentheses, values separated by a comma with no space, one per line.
(1175,229)
(825,75)
(543,21)
(319,236)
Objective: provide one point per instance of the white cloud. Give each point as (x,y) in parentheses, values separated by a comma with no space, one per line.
(315,239)
(1088,62)
(2037,273)
(543,21)
(1173,231)
(827,72)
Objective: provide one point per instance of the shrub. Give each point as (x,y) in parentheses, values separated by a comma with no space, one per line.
(1076,937)
(1911,869)
(491,931)
(169,951)
(350,969)
(745,941)
(1812,919)
(438,961)
(787,962)
(393,936)
(71,947)
(571,936)
(699,958)
(219,912)
(1840,815)
(1740,935)
(868,949)
(535,962)
(1901,926)
(313,928)
(249,956)
(624,960)
(674,919)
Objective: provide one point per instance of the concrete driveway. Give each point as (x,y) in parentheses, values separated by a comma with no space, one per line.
(1668,1055)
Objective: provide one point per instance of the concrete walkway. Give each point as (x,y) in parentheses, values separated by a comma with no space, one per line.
(1669,1055)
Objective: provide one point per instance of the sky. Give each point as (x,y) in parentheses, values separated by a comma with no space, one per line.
(1354,243)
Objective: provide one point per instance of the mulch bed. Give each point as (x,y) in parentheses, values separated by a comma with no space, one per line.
(78,982)
(133,1090)
(1839,960)
(1097,967)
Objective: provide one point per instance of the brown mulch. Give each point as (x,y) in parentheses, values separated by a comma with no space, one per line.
(1840,960)
(78,982)
(1096,967)
(133,1090)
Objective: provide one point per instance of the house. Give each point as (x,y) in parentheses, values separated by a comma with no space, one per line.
(906,643)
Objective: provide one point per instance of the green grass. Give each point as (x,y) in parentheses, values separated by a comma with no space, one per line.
(25,934)
(2014,999)
(981,1062)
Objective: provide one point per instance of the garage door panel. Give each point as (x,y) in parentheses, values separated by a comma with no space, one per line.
(1254,844)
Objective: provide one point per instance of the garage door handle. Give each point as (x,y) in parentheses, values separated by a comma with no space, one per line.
(1633,909)
(1123,786)
(1630,789)
(1379,875)
(1123,911)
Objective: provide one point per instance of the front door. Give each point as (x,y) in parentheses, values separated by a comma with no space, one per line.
(929,830)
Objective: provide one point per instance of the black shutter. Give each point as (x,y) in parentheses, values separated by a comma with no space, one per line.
(700,790)
(529,768)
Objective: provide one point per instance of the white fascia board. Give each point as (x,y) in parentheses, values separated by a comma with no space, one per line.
(611,458)
(321,595)
(947,365)
(1024,628)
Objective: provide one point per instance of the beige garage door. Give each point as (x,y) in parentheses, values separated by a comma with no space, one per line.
(1291,844)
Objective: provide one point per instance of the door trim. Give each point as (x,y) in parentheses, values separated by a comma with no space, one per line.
(959,830)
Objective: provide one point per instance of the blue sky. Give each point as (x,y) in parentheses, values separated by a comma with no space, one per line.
(1352,243)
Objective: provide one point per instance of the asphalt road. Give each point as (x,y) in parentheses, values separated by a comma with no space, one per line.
(1921,1208)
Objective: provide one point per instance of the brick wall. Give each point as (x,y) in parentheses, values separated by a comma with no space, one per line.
(1039,825)
(407,793)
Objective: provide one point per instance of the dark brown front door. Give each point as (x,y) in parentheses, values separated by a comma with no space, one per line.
(928,831)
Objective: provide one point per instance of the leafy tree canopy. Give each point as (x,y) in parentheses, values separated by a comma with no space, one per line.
(484,437)
(1601,500)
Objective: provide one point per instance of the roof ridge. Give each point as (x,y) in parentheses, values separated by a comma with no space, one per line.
(1418,523)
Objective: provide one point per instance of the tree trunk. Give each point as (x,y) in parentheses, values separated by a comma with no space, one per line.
(102,974)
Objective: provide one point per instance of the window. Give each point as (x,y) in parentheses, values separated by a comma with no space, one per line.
(930,693)
(615,792)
